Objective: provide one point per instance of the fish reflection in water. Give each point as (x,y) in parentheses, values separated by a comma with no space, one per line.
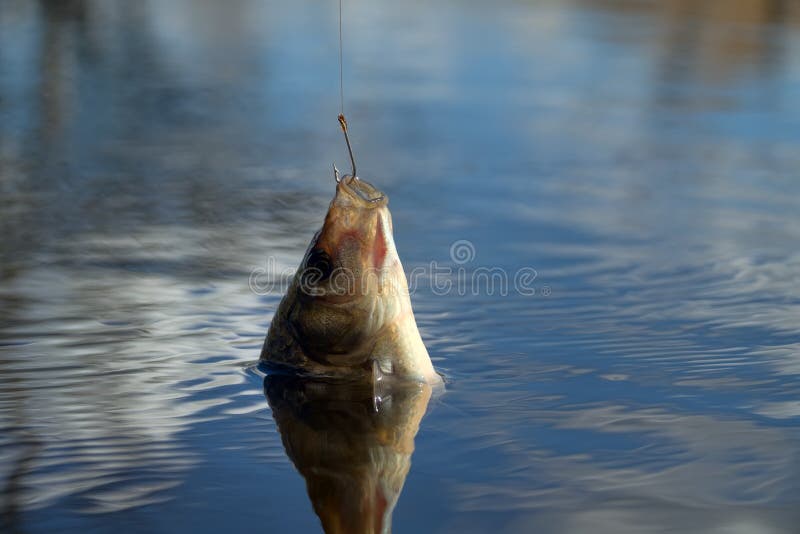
(352,442)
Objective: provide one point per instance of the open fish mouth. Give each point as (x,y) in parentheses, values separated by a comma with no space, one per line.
(364,192)
(370,195)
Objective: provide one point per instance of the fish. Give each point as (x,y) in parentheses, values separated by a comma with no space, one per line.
(347,310)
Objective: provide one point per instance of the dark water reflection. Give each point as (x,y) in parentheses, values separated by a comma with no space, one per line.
(351,443)
(642,156)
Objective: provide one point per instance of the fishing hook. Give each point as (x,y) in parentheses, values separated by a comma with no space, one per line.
(343,124)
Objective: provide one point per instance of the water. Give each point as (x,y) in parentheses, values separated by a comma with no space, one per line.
(641,156)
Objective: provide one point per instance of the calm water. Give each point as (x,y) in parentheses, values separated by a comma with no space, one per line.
(641,156)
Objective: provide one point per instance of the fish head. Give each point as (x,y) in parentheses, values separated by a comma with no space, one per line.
(351,282)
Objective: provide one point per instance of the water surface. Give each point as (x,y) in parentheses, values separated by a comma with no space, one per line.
(642,157)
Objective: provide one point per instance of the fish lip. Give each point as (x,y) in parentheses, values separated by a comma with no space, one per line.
(363,192)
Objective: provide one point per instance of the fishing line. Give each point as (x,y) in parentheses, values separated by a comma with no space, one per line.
(341,63)
(342,120)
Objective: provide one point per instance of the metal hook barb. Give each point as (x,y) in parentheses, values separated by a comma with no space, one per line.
(343,124)
(336,174)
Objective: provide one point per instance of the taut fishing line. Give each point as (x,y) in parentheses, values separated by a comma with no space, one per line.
(341,63)
(342,120)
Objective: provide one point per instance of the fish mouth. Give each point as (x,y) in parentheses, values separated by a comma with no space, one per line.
(364,193)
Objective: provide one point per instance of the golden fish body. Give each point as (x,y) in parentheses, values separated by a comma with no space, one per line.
(347,310)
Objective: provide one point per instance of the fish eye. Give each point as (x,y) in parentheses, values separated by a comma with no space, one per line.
(320,265)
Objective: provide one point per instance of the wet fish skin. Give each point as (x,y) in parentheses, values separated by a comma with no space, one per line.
(348,310)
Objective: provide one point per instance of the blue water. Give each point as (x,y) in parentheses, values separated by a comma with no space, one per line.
(641,157)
